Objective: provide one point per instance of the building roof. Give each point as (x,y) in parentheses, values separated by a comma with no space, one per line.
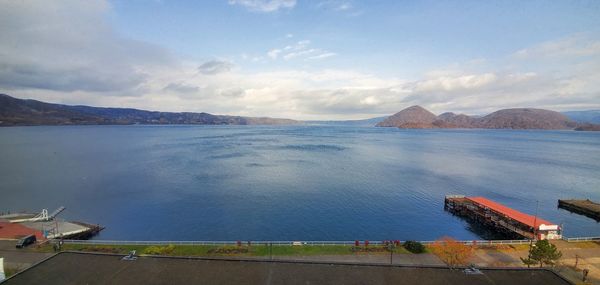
(511,213)
(90,268)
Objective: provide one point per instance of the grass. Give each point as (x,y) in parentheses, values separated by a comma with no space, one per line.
(230,250)
(586,244)
(10,271)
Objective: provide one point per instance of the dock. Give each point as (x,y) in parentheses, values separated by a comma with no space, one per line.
(586,207)
(501,218)
(44,226)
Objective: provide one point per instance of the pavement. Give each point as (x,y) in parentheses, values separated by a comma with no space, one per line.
(398,259)
(587,256)
(19,258)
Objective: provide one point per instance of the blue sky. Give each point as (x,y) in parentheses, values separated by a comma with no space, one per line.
(387,37)
(300,59)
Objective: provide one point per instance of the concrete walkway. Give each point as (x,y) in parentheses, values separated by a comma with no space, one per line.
(382,258)
(587,255)
(19,259)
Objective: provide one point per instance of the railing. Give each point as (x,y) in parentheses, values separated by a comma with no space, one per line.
(278,243)
(582,239)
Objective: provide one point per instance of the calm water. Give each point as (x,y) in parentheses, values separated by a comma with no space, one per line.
(291,183)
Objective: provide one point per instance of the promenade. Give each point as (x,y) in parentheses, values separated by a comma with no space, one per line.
(585,254)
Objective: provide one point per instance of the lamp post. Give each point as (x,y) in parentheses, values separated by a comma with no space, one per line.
(391,247)
(531,245)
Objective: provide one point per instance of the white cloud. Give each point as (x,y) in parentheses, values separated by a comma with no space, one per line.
(264,5)
(213,67)
(341,6)
(344,6)
(67,52)
(274,53)
(68,46)
(323,55)
(463,82)
(577,45)
(181,88)
(300,49)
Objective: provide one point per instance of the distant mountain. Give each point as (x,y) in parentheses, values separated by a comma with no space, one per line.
(356,123)
(417,117)
(588,127)
(526,118)
(14,112)
(590,116)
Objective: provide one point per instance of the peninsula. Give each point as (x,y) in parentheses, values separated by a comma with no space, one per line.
(20,112)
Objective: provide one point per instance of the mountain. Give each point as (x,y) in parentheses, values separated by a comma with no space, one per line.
(416,117)
(590,116)
(588,127)
(526,118)
(451,120)
(14,112)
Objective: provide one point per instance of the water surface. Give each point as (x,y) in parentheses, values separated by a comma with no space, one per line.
(292,182)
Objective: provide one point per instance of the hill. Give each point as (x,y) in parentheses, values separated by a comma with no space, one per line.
(15,112)
(417,117)
(526,118)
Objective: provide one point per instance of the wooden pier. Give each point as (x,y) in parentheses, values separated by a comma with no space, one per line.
(501,218)
(583,207)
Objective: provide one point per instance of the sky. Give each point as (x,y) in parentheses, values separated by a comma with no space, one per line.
(301,59)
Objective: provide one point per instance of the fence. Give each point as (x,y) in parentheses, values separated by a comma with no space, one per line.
(582,239)
(280,243)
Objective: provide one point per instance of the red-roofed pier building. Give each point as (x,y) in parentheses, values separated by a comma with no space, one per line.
(502,218)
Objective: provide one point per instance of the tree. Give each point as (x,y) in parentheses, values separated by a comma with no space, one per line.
(543,253)
(452,252)
(528,261)
(414,246)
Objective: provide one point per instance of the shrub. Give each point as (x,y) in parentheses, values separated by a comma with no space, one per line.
(159,250)
(452,252)
(414,246)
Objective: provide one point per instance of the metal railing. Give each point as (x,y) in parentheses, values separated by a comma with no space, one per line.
(582,239)
(279,243)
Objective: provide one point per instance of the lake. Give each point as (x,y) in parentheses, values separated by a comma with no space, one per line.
(292,182)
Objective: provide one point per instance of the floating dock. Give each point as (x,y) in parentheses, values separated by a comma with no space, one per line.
(501,218)
(583,207)
(44,226)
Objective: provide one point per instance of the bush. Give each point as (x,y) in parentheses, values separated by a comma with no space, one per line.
(414,246)
(452,252)
(159,250)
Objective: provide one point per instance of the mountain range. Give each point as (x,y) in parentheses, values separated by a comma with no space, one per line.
(417,117)
(25,112)
(16,112)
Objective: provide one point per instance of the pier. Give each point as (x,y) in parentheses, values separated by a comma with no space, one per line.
(501,218)
(44,226)
(583,207)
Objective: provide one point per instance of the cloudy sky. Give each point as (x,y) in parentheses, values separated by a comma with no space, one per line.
(303,59)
